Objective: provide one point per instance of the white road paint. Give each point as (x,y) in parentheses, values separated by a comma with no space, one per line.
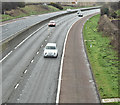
(32,61)
(38,52)
(25,71)
(21,43)
(16,86)
(61,65)
(6,56)
(91,81)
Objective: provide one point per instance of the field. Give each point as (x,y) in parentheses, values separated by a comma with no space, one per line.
(103,59)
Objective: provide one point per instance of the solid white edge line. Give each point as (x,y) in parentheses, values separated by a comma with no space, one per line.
(61,65)
(21,43)
(28,37)
(5,56)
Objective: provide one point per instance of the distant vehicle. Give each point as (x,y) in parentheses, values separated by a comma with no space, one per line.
(50,50)
(52,23)
(68,10)
(80,15)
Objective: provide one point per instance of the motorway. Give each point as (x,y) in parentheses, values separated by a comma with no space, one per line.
(27,77)
(22,23)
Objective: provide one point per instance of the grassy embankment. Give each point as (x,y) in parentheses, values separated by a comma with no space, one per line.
(118,12)
(103,59)
(29,10)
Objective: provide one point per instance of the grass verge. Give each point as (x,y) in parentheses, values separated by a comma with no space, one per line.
(103,59)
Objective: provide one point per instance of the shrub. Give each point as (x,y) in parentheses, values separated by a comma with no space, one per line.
(114,15)
(57,5)
(104,10)
(11,5)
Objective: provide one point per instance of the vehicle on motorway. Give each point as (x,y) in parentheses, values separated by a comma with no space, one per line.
(80,15)
(50,50)
(52,23)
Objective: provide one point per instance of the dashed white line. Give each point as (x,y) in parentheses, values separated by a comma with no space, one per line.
(21,43)
(38,52)
(16,86)
(25,71)
(32,61)
(5,56)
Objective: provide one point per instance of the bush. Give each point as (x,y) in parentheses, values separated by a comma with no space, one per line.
(114,15)
(104,10)
(115,5)
(11,5)
(57,5)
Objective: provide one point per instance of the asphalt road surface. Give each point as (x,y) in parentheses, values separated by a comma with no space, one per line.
(28,77)
(78,85)
(10,28)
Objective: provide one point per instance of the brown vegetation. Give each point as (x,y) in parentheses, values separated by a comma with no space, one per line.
(111,30)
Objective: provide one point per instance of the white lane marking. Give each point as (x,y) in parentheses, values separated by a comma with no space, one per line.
(21,43)
(25,71)
(16,86)
(91,81)
(32,61)
(16,47)
(38,52)
(27,38)
(61,65)
(41,45)
(5,56)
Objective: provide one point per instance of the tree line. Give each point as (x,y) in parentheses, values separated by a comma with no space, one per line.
(11,5)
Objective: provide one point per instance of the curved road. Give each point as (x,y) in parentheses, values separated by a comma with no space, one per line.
(27,76)
(77,82)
